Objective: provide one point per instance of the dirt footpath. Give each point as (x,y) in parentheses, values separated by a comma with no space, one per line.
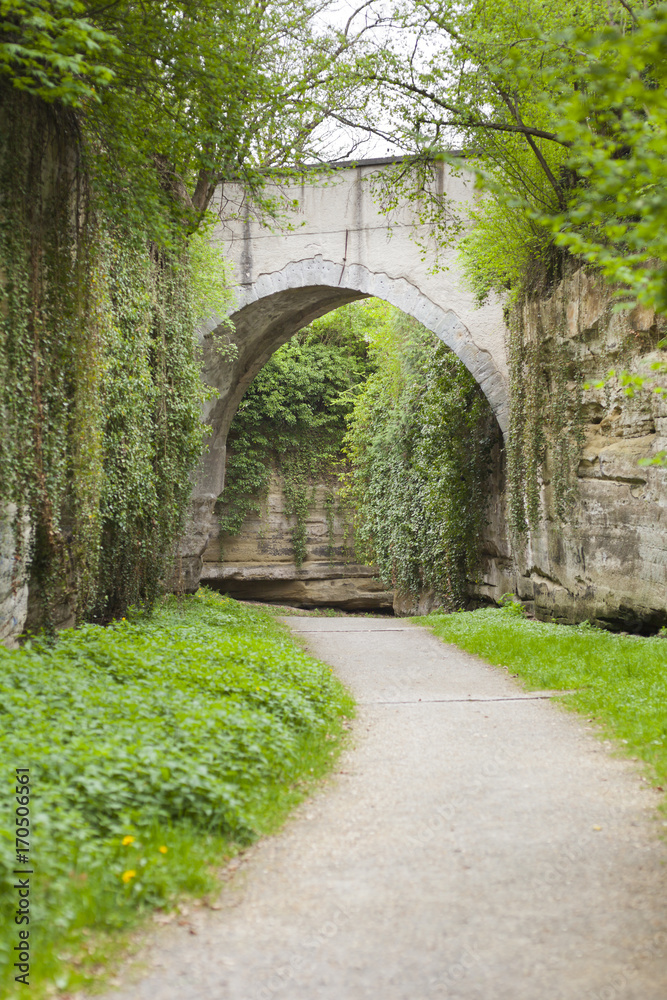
(476,843)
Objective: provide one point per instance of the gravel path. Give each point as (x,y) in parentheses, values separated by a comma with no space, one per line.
(476,843)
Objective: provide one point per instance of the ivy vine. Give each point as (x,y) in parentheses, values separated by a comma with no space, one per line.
(546,425)
(419,449)
(100,393)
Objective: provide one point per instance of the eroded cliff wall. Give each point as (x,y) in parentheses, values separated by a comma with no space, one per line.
(13,577)
(259,564)
(607,559)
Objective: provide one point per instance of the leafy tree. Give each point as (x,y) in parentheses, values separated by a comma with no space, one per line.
(615,121)
(210,93)
(176,98)
(48,50)
(511,88)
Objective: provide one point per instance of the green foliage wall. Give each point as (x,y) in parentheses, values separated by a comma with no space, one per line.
(99,377)
(419,446)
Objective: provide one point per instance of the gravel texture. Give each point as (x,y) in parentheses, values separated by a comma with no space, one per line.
(474,843)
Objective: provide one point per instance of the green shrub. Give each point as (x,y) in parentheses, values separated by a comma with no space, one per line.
(187,730)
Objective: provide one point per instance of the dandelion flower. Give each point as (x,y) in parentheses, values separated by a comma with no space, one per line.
(162,850)
(128,876)
(128,840)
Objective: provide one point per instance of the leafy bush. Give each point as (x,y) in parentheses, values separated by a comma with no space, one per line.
(187,730)
(505,250)
(511,604)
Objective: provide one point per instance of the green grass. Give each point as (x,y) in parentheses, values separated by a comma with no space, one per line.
(621,679)
(157,748)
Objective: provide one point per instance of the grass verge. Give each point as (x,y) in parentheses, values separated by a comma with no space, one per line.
(157,748)
(621,679)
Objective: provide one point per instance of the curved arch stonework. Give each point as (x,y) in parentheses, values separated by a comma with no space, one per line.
(277,305)
(404,295)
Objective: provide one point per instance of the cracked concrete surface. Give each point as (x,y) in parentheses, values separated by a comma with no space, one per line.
(473,844)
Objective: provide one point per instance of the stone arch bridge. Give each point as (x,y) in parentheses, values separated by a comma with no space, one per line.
(335,246)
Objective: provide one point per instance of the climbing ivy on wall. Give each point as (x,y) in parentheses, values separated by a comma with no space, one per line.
(293,418)
(419,447)
(100,391)
(152,430)
(546,425)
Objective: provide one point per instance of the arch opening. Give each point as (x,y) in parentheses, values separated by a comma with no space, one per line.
(262,325)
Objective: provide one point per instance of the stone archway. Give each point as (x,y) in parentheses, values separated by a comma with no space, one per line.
(339,246)
(279,304)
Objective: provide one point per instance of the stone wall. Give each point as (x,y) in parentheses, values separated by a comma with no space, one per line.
(258,563)
(608,563)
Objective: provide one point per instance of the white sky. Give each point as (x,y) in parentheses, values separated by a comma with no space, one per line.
(337,15)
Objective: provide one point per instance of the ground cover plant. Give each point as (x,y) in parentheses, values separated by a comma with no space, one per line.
(621,680)
(156,746)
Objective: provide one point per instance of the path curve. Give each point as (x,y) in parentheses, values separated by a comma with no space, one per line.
(475,844)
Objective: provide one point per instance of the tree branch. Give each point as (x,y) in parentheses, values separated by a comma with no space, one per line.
(465,120)
(514,111)
(629,9)
(204,190)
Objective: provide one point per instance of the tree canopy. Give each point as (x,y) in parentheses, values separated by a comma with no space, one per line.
(558,107)
(175,98)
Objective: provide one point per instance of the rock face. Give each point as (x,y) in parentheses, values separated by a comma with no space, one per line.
(13,581)
(608,561)
(258,563)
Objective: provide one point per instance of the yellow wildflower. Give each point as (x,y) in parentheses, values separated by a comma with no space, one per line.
(128,876)
(162,850)
(128,840)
